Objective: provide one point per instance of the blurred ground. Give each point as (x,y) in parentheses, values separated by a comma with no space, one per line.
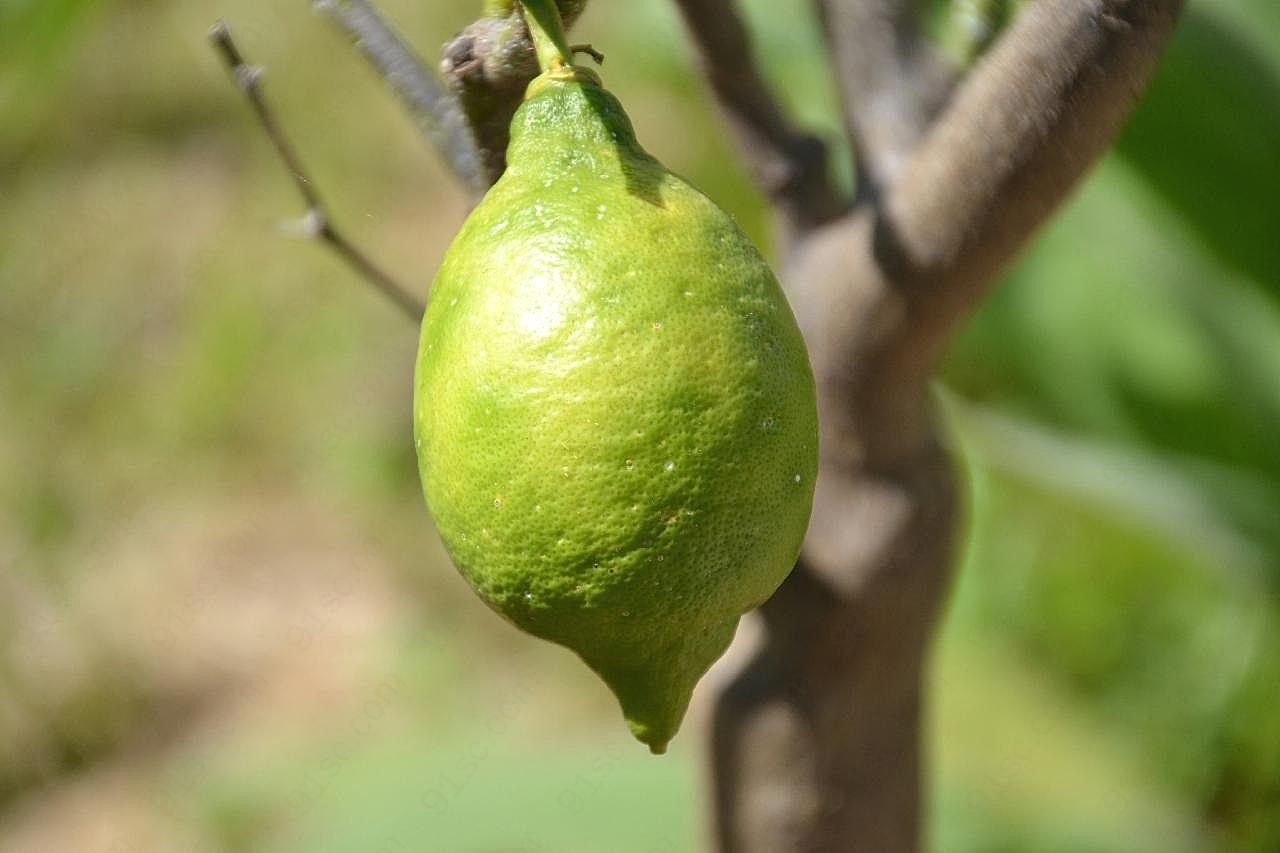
(225,621)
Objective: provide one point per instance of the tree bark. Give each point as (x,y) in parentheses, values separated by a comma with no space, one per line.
(814,730)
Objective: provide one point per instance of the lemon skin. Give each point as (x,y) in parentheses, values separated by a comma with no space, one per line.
(614,410)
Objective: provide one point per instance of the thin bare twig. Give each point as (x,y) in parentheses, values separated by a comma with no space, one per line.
(435,110)
(316,221)
(789,165)
(891,82)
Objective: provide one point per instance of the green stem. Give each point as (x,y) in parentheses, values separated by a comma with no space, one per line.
(547,30)
(498,8)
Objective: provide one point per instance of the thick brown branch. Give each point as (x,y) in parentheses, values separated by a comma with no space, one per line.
(1034,115)
(815,735)
(436,111)
(790,166)
(815,738)
(891,82)
(316,222)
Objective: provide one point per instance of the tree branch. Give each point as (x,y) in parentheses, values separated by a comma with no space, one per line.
(815,733)
(1033,116)
(891,82)
(789,166)
(316,222)
(437,112)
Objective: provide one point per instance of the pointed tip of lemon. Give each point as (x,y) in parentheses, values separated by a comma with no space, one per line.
(655,690)
(657,726)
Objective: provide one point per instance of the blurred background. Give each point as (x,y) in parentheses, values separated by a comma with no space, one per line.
(226,623)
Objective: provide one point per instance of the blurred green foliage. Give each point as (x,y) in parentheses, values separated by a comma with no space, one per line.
(1121,414)
(1108,678)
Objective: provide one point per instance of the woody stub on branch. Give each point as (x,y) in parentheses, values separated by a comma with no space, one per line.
(814,719)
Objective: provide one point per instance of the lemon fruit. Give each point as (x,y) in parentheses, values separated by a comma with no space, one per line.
(614,410)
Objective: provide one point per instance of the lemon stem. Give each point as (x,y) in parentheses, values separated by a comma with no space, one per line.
(549,39)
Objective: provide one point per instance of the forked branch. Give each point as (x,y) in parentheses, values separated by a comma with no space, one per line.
(316,221)
(1037,111)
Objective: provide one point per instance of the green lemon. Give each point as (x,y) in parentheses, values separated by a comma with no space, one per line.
(614,409)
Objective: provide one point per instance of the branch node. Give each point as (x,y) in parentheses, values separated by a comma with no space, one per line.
(312,225)
(249,75)
(315,223)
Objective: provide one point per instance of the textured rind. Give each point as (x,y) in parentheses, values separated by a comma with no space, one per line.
(614,410)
